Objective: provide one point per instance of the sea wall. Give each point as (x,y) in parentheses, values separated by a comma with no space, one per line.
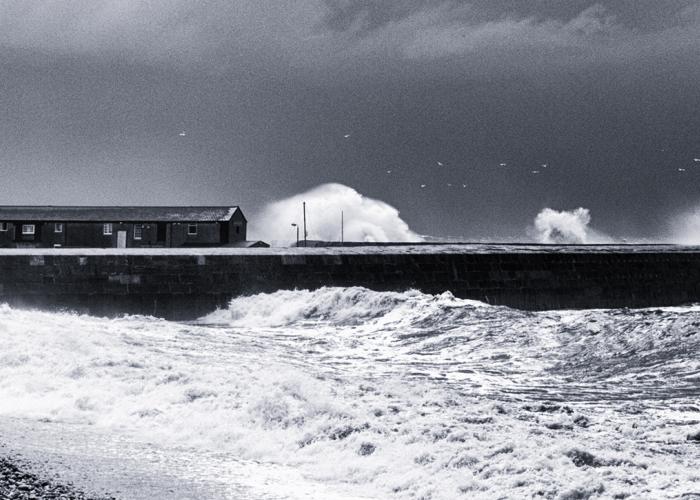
(186,285)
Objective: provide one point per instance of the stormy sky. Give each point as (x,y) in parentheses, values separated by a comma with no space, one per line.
(250,101)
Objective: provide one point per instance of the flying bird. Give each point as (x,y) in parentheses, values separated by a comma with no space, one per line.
(696,160)
(388,171)
(502,164)
(535,171)
(182,134)
(439,163)
(544,165)
(346,136)
(464,185)
(423,185)
(681,170)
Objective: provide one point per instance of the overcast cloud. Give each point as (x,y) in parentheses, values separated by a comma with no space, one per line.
(95,94)
(311,34)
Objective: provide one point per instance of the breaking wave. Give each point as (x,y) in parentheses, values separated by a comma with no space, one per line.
(566,227)
(685,227)
(383,394)
(342,307)
(365,219)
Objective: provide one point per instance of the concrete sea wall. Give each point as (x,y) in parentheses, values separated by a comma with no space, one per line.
(186,284)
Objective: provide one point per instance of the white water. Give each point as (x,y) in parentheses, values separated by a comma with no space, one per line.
(346,392)
(365,219)
(567,226)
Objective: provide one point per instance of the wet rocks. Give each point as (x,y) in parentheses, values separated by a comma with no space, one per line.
(16,482)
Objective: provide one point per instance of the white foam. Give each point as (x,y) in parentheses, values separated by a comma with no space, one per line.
(380,394)
(365,219)
(566,226)
(685,227)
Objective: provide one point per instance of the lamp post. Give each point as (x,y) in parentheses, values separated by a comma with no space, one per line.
(305,233)
(296,226)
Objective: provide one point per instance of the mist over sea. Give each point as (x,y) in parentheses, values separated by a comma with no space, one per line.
(351,393)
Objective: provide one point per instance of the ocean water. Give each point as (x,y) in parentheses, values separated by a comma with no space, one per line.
(351,393)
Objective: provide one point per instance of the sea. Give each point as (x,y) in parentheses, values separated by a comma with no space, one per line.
(348,393)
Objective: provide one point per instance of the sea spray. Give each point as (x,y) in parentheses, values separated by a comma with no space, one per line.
(385,394)
(684,227)
(365,219)
(566,227)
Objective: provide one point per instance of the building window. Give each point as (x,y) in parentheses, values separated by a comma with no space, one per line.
(138,232)
(107,229)
(191,229)
(27,228)
(238,229)
(3,226)
(58,228)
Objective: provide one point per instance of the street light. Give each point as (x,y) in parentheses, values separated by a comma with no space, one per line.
(294,225)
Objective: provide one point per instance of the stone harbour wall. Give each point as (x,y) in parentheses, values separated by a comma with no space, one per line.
(182,286)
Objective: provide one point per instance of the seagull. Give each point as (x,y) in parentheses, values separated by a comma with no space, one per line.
(346,136)
(439,163)
(681,170)
(422,185)
(544,165)
(464,185)
(696,160)
(449,184)
(388,171)
(502,164)
(535,171)
(182,134)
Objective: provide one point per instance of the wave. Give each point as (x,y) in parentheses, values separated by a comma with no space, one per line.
(444,322)
(339,306)
(391,394)
(566,227)
(365,219)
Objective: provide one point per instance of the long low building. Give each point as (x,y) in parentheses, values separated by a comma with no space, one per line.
(120,227)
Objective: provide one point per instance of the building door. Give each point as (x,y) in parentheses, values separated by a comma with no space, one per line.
(121,239)
(161,232)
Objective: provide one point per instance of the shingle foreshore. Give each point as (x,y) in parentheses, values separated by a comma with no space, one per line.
(17,481)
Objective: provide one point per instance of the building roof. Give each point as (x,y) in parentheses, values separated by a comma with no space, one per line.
(116,214)
(248,244)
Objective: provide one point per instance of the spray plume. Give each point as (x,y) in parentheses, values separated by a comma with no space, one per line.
(566,227)
(366,219)
(685,227)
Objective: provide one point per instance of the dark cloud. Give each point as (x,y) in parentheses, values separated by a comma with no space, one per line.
(95,93)
(643,15)
(316,39)
(488,36)
(214,33)
(367,15)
